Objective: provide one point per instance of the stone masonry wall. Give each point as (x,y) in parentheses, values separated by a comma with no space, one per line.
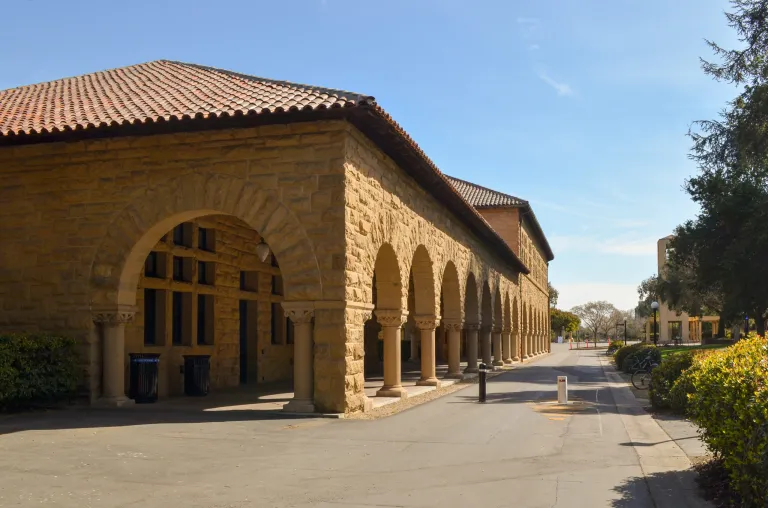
(72,212)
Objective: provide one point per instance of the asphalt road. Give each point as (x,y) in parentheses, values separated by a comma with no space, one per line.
(516,450)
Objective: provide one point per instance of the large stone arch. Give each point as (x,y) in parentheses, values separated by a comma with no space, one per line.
(388,289)
(451,291)
(139,226)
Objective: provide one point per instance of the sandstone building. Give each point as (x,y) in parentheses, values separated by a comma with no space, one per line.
(285,230)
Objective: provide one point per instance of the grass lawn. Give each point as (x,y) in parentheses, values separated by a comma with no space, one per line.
(666,351)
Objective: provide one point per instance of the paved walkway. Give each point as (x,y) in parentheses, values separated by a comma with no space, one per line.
(517,450)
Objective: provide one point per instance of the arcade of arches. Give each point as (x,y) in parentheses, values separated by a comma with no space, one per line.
(149,244)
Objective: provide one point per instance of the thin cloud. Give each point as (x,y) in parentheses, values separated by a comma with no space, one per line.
(623,296)
(562,89)
(528,26)
(534,47)
(623,245)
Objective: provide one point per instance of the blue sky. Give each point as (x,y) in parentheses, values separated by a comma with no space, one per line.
(579,107)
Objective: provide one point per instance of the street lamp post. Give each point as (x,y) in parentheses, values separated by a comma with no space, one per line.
(655,307)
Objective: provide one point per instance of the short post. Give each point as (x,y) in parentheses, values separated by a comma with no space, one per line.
(562,389)
(482,381)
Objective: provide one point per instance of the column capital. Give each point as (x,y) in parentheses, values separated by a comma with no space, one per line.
(299,312)
(426,322)
(113,314)
(495,329)
(472,326)
(506,330)
(391,317)
(452,324)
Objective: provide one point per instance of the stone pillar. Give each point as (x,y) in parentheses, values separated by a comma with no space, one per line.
(497,357)
(453,329)
(485,343)
(301,314)
(516,355)
(471,329)
(506,345)
(525,337)
(391,322)
(112,323)
(427,325)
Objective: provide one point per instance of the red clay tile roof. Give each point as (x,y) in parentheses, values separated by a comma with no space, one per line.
(176,96)
(483,197)
(155,91)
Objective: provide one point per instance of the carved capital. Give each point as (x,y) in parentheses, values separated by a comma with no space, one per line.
(391,317)
(427,322)
(472,327)
(506,331)
(452,325)
(299,312)
(496,329)
(114,315)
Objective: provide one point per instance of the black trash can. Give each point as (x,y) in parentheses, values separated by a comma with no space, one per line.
(144,376)
(197,375)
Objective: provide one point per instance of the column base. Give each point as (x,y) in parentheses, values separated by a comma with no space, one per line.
(119,401)
(498,363)
(392,391)
(454,375)
(516,359)
(526,356)
(432,381)
(299,406)
(471,370)
(507,361)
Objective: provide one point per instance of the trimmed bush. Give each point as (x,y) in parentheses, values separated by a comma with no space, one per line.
(36,369)
(729,402)
(664,377)
(615,345)
(623,352)
(682,388)
(640,354)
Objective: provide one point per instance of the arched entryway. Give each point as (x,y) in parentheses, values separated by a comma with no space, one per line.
(452,319)
(486,326)
(180,257)
(472,322)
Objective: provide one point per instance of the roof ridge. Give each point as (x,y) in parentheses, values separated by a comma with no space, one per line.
(525,201)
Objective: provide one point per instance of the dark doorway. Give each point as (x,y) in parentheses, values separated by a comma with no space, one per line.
(244,342)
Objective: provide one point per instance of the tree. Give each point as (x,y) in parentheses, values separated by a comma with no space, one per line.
(594,315)
(720,248)
(561,319)
(553,295)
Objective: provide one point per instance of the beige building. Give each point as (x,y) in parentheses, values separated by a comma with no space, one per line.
(286,231)
(679,325)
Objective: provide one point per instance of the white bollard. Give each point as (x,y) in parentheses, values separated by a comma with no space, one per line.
(562,389)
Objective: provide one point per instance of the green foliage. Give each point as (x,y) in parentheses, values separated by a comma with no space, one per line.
(664,377)
(562,319)
(36,369)
(621,354)
(682,388)
(639,354)
(554,294)
(615,345)
(729,402)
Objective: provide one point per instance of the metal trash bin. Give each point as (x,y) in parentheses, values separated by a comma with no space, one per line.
(144,371)
(197,375)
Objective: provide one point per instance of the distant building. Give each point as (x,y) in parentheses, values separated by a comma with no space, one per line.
(673,324)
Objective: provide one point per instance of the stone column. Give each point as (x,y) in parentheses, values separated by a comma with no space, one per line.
(516,355)
(427,325)
(496,338)
(112,323)
(471,329)
(525,338)
(301,314)
(391,322)
(453,329)
(414,349)
(506,345)
(485,343)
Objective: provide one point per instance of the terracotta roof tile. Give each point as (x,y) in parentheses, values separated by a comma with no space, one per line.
(483,197)
(156,91)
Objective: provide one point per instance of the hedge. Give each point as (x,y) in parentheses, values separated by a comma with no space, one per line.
(36,369)
(616,344)
(665,375)
(635,356)
(729,402)
(623,352)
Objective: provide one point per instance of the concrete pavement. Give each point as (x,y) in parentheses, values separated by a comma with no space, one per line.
(518,449)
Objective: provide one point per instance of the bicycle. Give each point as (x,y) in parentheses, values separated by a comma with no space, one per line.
(641,375)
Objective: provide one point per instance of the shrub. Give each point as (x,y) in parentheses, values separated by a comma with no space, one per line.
(36,369)
(639,354)
(682,388)
(664,377)
(729,402)
(616,344)
(623,352)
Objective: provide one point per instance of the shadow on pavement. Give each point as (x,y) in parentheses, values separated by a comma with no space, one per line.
(667,489)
